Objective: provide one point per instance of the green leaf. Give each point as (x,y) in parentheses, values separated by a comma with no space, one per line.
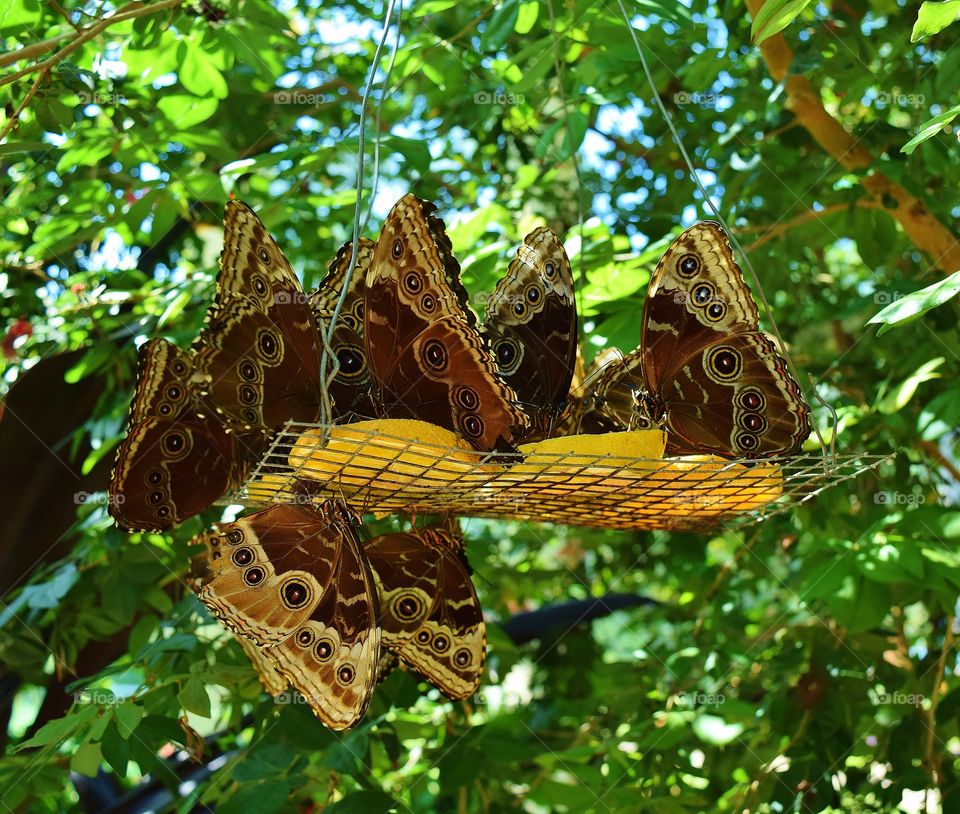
(194,697)
(86,759)
(527,17)
(774,16)
(185,111)
(128,715)
(59,729)
(930,128)
(898,398)
(934,17)
(907,309)
(199,74)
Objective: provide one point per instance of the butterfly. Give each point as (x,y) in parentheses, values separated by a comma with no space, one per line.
(350,388)
(295,581)
(258,356)
(177,456)
(530,325)
(704,372)
(426,358)
(430,617)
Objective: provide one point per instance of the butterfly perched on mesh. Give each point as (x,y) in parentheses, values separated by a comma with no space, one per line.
(200,419)
(178,456)
(350,388)
(530,325)
(295,581)
(430,617)
(258,356)
(427,360)
(704,372)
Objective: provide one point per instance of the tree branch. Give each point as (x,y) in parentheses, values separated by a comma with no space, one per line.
(804,101)
(78,38)
(775,230)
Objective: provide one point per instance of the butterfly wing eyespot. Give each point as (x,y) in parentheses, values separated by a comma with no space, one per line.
(434,355)
(254,575)
(471,425)
(243,556)
(688,265)
(467,398)
(724,363)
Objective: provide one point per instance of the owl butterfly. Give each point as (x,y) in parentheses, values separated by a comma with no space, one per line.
(530,326)
(295,582)
(258,356)
(703,371)
(430,617)
(177,457)
(427,360)
(350,388)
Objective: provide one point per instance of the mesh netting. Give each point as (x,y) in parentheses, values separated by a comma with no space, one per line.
(386,474)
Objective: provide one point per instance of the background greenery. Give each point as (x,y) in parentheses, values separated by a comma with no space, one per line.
(803,664)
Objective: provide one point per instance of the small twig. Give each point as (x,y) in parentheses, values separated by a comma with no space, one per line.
(135,9)
(931,760)
(931,450)
(8,127)
(775,230)
(63,13)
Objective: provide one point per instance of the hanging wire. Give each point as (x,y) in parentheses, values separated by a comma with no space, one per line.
(716,213)
(376,121)
(326,406)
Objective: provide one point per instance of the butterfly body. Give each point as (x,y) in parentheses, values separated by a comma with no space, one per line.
(530,326)
(704,372)
(426,358)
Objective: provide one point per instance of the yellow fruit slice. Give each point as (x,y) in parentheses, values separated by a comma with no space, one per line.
(387,457)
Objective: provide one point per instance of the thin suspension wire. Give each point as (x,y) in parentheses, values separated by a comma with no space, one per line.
(376,121)
(326,406)
(668,119)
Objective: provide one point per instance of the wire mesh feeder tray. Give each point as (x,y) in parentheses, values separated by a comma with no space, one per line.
(618,480)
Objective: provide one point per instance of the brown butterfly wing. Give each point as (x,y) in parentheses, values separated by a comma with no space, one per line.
(295,581)
(427,360)
(720,383)
(531,328)
(697,292)
(430,615)
(177,457)
(736,396)
(258,357)
(350,389)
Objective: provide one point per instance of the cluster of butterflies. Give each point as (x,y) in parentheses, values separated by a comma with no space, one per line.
(295,580)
